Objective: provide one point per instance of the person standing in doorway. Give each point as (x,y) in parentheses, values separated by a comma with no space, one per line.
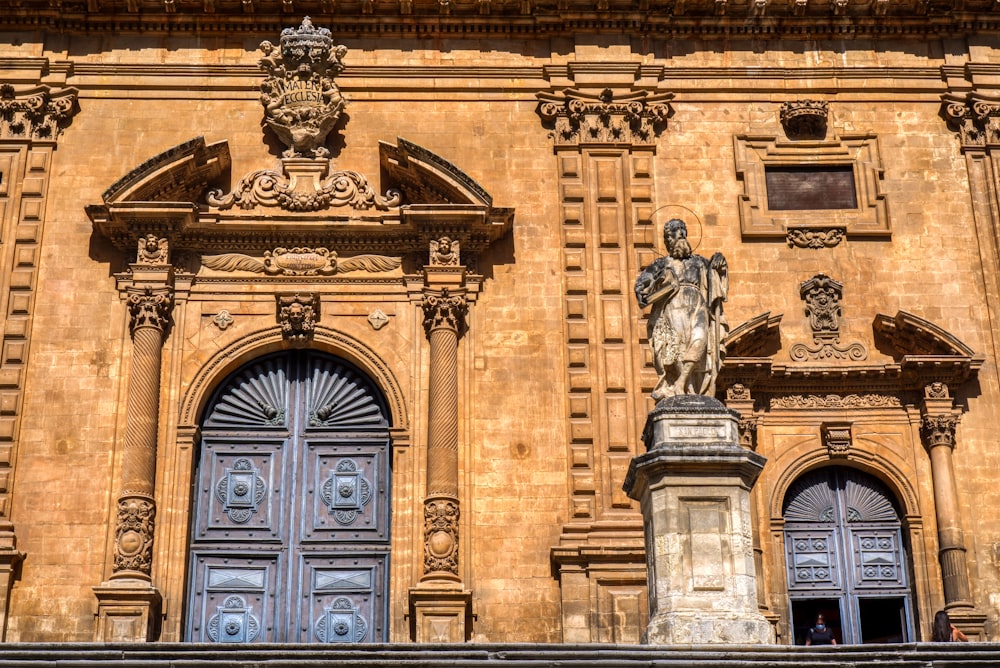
(820,634)
(945,631)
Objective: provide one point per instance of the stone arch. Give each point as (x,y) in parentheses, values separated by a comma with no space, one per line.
(218,367)
(888,468)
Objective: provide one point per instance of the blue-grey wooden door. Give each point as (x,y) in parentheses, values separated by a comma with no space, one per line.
(846,558)
(290,519)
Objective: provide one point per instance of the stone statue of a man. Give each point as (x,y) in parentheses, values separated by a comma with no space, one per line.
(686,325)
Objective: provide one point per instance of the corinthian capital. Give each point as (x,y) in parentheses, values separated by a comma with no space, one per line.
(444,311)
(938,430)
(577,117)
(38,113)
(150,307)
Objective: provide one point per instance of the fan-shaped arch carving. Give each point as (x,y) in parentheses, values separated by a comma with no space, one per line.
(340,397)
(867,500)
(813,498)
(810,499)
(256,397)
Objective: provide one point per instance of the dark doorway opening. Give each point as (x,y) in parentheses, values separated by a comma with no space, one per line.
(805,612)
(882,620)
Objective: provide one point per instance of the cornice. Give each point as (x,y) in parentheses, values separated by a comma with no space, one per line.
(777,19)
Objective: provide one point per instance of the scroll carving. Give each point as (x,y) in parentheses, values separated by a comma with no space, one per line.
(579,118)
(300,262)
(938,430)
(40,113)
(150,307)
(975,118)
(441,536)
(835,401)
(444,311)
(134,535)
(822,297)
(269,188)
(815,238)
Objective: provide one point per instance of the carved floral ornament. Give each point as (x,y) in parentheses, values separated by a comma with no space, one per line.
(822,296)
(444,311)
(150,307)
(269,188)
(606,118)
(39,113)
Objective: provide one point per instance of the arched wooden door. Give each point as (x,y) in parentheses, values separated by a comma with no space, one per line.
(290,523)
(846,558)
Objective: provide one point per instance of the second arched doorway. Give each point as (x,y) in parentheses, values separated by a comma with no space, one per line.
(846,559)
(290,506)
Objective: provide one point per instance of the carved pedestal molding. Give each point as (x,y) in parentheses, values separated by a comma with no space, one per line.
(440,608)
(128,604)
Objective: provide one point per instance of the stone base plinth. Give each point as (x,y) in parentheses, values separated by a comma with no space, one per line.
(127,611)
(440,613)
(693,484)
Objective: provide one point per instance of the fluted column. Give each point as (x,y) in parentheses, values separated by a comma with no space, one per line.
(150,312)
(444,319)
(938,434)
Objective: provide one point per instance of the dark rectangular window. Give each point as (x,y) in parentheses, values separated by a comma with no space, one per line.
(797,187)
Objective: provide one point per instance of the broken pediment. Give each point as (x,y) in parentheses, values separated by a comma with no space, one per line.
(306,203)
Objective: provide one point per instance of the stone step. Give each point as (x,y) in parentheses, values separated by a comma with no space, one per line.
(187,655)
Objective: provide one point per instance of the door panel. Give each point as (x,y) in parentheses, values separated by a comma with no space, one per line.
(290,529)
(843,543)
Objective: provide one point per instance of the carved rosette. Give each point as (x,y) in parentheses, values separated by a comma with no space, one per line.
(581,118)
(938,430)
(444,311)
(39,113)
(298,316)
(805,118)
(134,535)
(441,535)
(976,119)
(150,307)
(301,101)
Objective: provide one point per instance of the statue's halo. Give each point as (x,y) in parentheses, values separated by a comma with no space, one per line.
(669,212)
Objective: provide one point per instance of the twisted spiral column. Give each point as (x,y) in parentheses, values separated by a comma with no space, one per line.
(133,553)
(444,321)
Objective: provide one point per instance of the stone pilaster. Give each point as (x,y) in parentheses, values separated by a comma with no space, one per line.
(440,607)
(129,604)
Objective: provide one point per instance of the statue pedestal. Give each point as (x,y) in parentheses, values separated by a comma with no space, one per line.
(694,484)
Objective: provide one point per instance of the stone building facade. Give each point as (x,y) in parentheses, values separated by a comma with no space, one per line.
(323,330)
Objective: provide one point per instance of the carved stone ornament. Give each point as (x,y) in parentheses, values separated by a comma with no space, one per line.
(38,113)
(805,118)
(444,252)
(441,536)
(810,401)
(822,297)
(134,535)
(305,191)
(300,262)
(223,319)
(301,101)
(150,307)
(298,316)
(738,392)
(152,250)
(584,118)
(815,238)
(444,311)
(938,430)
(748,433)
(936,390)
(976,118)
(378,319)
(837,437)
